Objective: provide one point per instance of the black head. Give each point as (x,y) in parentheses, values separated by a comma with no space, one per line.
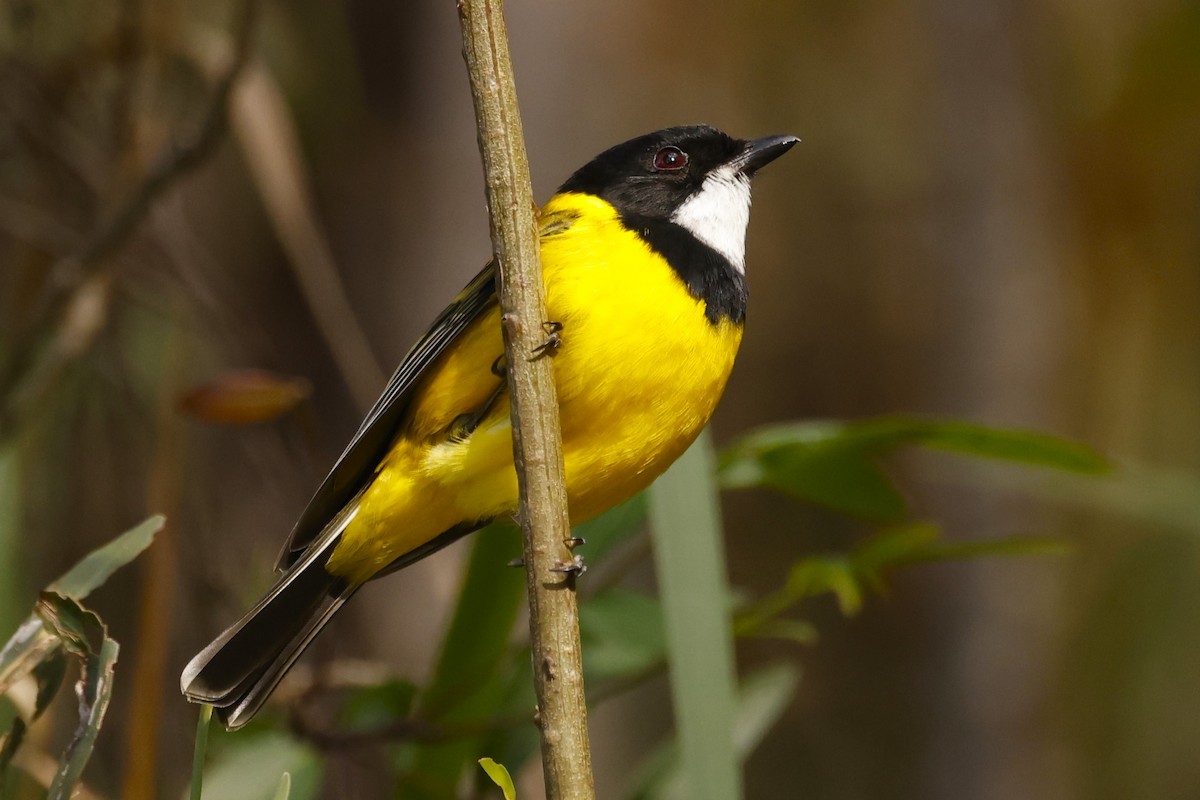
(653,175)
(686,192)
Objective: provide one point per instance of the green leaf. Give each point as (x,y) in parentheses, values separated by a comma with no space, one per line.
(38,649)
(1020,446)
(762,699)
(24,651)
(922,543)
(833,574)
(250,766)
(884,434)
(200,751)
(793,630)
(978,548)
(849,577)
(891,548)
(842,480)
(285,786)
(469,682)
(895,545)
(689,558)
(515,745)
(622,634)
(33,642)
(372,706)
(79,630)
(834,463)
(482,625)
(98,565)
(94,692)
(1145,495)
(500,777)
(816,462)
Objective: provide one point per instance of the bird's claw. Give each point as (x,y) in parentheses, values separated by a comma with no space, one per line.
(575,567)
(552,342)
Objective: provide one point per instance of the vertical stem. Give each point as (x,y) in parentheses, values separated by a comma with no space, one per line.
(537,446)
(685,522)
(200,750)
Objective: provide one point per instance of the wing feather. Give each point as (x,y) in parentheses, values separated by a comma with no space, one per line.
(366,449)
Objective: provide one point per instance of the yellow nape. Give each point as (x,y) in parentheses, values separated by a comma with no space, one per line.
(639,373)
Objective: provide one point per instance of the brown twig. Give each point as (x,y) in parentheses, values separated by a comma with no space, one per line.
(537,446)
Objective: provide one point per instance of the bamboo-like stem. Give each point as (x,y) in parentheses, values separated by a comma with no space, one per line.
(537,446)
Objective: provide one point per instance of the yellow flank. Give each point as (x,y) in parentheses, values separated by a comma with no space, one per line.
(639,374)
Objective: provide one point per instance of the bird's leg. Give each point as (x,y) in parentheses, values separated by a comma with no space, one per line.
(574,568)
(465,424)
(552,342)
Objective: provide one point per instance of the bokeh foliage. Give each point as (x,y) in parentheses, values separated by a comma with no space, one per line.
(993,217)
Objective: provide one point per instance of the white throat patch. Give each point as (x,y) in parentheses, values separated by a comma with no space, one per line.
(719,213)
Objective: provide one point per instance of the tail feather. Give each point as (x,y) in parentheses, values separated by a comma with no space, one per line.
(252,693)
(242,666)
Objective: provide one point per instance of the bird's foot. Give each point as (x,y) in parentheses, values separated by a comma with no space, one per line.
(575,567)
(552,342)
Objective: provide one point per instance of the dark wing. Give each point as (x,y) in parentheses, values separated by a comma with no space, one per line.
(358,461)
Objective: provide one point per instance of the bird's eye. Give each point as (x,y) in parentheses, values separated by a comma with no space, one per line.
(670,159)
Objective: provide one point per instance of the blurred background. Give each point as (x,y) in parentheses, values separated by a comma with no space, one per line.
(994,215)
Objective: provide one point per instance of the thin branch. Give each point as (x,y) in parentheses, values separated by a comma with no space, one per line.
(537,447)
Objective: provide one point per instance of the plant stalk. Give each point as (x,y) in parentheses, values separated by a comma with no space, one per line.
(537,446)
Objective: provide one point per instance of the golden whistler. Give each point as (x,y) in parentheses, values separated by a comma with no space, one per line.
(643,257)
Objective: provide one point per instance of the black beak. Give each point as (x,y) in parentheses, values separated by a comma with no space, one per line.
(760,152)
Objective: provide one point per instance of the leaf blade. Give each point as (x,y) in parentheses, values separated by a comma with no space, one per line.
(834,464)
(689,560)
(97,566)
(499,775)
(95,692)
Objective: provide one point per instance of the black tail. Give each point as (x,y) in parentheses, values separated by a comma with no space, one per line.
(240,669)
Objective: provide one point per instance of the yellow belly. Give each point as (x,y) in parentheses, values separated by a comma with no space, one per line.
(639,374)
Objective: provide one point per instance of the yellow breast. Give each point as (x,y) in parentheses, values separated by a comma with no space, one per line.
(641,368)
(639,373)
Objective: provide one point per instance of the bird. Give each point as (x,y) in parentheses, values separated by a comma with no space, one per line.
(643,262)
